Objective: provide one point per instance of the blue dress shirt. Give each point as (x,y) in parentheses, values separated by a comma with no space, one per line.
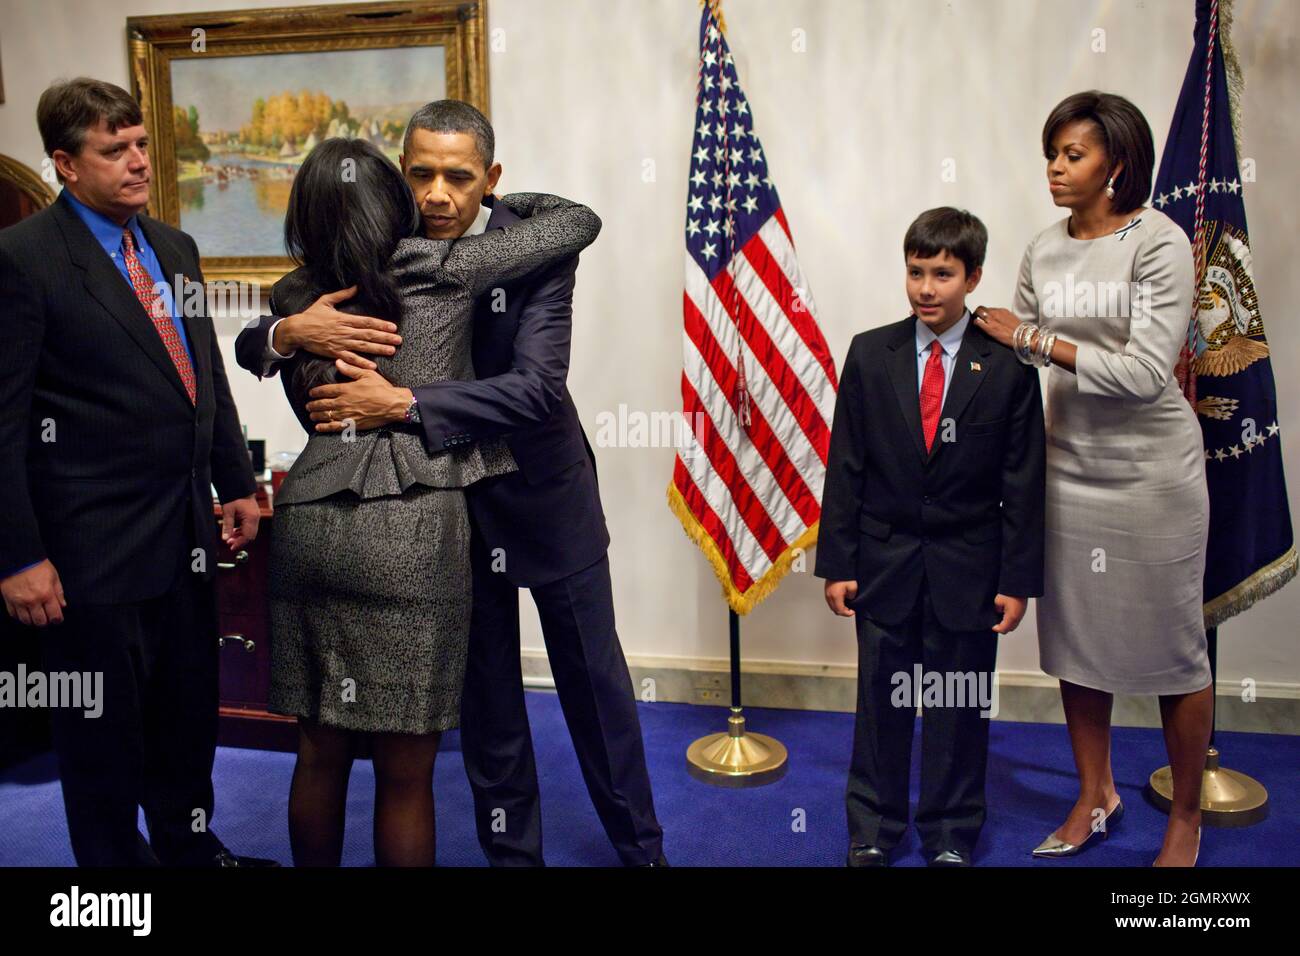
(109,235)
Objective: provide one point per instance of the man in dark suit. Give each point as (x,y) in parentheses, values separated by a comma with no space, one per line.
(932,538)
(541,528)
(115,420)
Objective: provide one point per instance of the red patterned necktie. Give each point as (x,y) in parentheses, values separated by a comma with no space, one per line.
(156,308)
(932,393)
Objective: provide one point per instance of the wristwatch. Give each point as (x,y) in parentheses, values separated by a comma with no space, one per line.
(413,413)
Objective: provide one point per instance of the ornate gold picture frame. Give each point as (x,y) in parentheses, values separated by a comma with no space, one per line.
(270,84)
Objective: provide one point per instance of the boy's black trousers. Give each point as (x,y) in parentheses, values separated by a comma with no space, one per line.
(954,739)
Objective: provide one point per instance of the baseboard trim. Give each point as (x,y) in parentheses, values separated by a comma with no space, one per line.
(1028,696)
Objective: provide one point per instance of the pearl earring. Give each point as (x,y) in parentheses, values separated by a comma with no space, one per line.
(1110,188)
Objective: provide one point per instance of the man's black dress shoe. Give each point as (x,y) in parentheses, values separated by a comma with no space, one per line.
(867,856)
(226,858)
(950,858)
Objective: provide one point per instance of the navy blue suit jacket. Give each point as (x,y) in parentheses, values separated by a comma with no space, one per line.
(546,518)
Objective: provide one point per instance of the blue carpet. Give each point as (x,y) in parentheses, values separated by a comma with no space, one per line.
(798,821)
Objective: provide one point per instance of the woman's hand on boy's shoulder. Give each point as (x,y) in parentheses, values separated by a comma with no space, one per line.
(998,323)
(838,594)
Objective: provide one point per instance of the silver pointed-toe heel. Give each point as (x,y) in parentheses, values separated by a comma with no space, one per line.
(1052,847)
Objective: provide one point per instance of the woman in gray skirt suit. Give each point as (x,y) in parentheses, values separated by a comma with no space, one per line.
(1105,297)
(369,574)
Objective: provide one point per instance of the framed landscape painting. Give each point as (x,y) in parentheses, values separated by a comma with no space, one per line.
(235,100)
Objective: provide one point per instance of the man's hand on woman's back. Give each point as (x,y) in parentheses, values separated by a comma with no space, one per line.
(323,330)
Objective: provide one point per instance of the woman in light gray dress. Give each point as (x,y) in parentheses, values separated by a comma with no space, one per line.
(1105,297)
(369,579)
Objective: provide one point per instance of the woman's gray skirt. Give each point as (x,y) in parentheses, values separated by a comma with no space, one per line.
(370,610)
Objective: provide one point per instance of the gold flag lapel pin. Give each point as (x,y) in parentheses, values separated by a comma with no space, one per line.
(976,367)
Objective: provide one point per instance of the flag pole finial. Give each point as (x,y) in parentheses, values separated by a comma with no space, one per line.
(715,7)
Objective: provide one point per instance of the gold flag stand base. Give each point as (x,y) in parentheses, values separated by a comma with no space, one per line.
(1228,798)
(736,758)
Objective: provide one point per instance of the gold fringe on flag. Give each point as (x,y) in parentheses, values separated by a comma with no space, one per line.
(1232,70)
(1258,586)
(740,603)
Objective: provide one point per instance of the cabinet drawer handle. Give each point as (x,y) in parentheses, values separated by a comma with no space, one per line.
(248,644)
(240,557)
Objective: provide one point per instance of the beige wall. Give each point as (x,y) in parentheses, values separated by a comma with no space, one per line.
(856,129)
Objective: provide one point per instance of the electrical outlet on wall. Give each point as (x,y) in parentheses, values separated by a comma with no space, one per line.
(711,687)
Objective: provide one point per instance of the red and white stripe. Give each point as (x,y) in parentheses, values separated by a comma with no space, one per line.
(755,491)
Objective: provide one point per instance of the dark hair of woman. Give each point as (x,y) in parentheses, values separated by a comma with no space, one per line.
(348,208)
(1125,135)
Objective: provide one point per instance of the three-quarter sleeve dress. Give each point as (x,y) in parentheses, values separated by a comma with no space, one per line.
(1127,508)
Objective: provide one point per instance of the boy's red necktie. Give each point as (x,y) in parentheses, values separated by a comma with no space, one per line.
(157,310)
(932,394)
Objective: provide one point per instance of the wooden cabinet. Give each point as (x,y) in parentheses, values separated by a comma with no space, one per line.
(244,633)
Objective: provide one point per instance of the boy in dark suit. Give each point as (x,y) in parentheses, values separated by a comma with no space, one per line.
(932,539)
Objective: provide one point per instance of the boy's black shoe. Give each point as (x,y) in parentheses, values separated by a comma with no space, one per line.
(860,856)
(950,858)
(226,859)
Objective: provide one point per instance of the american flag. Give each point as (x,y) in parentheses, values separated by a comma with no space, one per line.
(758,382)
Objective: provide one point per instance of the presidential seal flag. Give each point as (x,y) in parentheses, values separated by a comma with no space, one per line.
(758,382)
(1226,371)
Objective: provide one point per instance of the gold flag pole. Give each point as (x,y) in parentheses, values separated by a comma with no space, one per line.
(1229,798)
(736,757)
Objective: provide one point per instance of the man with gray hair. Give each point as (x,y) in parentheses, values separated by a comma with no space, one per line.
(540,528)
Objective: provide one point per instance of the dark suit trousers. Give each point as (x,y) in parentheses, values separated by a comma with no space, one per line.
(154,743)
(595,691)
(954,739)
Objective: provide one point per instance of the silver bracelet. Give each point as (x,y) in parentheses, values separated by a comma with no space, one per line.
(1020,342)
(1030,350)
(1043,347)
